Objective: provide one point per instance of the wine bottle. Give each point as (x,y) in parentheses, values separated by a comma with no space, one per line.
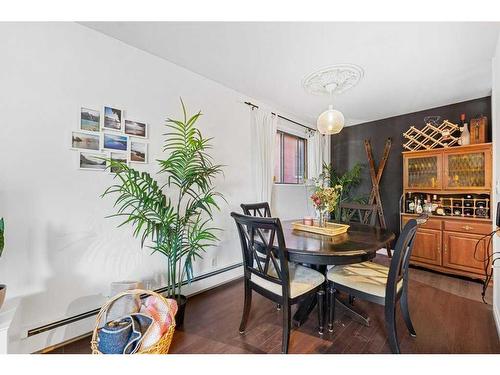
(462,119)
(435,203)
(458,132)
(411,207)
(465,136)
(419,208)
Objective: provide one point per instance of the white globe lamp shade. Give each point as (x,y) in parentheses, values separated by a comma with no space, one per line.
(330,122)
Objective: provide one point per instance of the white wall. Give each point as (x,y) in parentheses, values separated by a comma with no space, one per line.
(61,253)
(496,176)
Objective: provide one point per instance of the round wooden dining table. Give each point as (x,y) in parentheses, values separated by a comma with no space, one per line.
(359,244)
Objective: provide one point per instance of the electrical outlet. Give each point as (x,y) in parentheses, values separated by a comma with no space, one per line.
(214,262)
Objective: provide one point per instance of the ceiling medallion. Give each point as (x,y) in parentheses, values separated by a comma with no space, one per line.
(333,80)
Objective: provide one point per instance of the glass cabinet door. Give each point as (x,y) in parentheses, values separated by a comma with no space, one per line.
(423,172)
(466,171)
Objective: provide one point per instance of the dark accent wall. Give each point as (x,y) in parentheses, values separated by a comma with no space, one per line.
(348,148)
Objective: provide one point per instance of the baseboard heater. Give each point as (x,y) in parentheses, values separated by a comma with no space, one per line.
(85,315)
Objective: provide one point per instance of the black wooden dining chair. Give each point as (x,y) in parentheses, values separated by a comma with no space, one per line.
(379,284)
(361,213)
(358,213)
(268,272)
(256,209)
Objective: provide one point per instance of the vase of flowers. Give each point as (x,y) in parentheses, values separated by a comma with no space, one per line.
(325,198)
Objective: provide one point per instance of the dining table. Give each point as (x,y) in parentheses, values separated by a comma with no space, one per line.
(359,244)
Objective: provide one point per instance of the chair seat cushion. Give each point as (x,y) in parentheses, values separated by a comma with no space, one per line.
(367,277)
(302,280)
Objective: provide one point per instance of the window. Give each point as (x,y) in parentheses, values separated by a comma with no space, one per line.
(290,159)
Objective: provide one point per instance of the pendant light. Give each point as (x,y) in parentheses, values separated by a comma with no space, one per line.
(332,80)
(330,121)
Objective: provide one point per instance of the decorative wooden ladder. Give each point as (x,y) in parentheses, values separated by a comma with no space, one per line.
(376,176)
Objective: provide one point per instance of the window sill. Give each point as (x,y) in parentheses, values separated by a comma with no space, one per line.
(285,184)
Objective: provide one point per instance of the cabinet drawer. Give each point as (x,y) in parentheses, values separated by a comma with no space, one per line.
(467,227)
(430,224)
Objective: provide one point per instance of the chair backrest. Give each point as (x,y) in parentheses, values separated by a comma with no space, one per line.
(359,213)
(400,261)
(263,248)
(256,209)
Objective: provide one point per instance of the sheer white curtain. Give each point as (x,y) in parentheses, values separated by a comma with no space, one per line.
(318,153)
(264,125)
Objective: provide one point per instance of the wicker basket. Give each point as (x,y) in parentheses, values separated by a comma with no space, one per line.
(163,344)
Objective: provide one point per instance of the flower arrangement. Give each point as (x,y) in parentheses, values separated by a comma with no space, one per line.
(325,198)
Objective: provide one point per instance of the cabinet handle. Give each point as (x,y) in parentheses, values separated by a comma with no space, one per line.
(445,249)
(466,227)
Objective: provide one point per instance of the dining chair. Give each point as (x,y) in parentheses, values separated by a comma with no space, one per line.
(256,209)
(361,213)
(268,272)
(379,284)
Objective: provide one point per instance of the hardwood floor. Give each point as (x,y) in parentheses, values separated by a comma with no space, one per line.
(447,313)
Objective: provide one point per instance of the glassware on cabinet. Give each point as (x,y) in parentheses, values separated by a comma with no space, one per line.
(423,172)
(466,170)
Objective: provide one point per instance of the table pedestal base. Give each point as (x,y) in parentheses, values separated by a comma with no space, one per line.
(304,310)
(349,310)
(308,305)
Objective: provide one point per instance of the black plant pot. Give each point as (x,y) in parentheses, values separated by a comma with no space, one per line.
(181,309)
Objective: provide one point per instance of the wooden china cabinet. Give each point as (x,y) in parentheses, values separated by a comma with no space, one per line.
(458,181)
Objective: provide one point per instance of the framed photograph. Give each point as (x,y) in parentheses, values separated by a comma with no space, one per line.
(93,161)
(136,128)
(138,152)
(114,142)
(90,119)
(120,157)
(85,140)
(112,119)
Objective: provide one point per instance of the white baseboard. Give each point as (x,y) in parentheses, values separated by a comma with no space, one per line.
(20,344)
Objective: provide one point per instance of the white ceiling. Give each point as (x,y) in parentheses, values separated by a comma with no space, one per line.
(407,66)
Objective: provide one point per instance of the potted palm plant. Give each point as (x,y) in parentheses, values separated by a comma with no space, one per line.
(3,287)
(172,218)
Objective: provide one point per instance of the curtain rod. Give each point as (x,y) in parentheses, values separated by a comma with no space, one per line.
(283,117)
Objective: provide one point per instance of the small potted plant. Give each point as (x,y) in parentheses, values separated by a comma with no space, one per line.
(3,287)
(178,226)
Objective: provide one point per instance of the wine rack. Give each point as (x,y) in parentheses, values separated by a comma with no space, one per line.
(463,207)
(476,206)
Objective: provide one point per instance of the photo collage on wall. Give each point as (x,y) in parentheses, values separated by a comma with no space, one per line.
(107,134)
